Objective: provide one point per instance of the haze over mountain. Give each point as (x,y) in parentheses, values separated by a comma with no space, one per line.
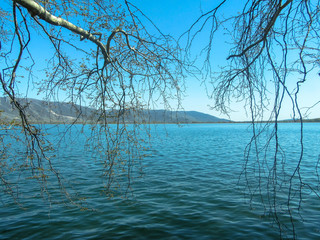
(61,112)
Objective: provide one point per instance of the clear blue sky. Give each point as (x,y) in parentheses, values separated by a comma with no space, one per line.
(175,17)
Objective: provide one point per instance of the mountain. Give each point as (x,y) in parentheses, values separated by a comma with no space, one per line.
(183,117)
(61,112)
(44,112)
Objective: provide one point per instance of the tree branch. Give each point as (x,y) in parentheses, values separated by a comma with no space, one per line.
(37,10)
(266,31)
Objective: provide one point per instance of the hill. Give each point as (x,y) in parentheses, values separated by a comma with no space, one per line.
(61,112)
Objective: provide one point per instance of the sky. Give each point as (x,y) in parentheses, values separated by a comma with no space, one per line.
(174,17)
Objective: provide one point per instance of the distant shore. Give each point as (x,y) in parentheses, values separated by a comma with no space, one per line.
(17,122)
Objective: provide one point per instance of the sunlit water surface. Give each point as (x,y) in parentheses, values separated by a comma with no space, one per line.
(190,189)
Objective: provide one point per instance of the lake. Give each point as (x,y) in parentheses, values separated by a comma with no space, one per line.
(190,189)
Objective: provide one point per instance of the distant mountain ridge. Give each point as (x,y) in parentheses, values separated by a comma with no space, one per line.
(60,112)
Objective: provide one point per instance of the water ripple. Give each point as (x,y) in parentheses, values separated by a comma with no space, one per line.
(189,191)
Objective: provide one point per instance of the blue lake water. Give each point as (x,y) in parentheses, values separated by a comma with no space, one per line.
(190,189)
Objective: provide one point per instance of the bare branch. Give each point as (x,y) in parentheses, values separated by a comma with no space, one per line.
(37,10)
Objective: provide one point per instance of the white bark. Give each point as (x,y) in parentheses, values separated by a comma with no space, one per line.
(37,10)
